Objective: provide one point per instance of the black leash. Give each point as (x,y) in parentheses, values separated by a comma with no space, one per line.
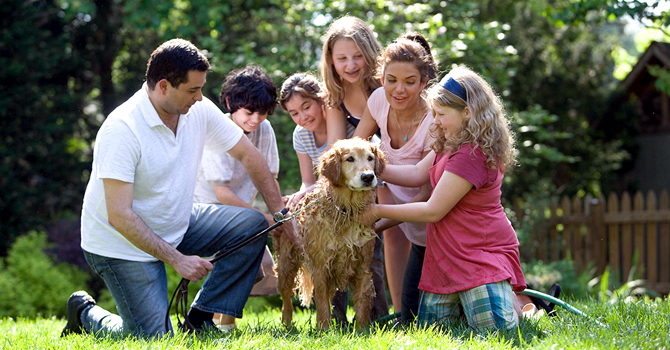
(181,293)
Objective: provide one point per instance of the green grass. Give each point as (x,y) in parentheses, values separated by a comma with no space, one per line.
(640,324)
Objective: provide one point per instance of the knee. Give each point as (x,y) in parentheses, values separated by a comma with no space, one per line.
(259,219)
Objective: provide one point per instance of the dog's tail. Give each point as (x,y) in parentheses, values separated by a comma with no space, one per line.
(306,286)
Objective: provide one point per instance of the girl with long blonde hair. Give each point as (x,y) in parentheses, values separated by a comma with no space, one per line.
(471,261)
(347,66)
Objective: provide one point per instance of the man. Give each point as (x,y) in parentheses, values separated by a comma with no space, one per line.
(138,211)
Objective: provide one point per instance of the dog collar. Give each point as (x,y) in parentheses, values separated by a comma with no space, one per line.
(342,211)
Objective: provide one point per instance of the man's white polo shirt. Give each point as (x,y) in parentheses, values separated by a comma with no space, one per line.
(133,145)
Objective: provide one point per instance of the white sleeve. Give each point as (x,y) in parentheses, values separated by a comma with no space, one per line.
(217,168)
(117,151)
(222,133)
(269,150)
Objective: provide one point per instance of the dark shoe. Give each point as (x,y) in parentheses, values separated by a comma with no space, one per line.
(205,327)
(554,291)
(77,302)
(548,307)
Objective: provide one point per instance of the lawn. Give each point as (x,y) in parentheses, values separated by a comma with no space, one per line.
(642,324)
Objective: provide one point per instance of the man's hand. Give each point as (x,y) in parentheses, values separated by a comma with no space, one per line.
(288,230)
(192,267)
(292,201)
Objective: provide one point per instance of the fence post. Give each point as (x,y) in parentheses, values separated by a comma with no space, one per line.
(567,228)
(578,245)
(638,227)
(596,245)
(652,241)
(664,232)
(614,241)
(626,239)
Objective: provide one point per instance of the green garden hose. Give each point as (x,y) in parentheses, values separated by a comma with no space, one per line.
(563,304)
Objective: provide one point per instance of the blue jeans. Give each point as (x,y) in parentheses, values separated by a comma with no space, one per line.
(140,290)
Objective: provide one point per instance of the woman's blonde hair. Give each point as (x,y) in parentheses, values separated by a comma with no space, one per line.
(486,127)
(348,27)
(303,84)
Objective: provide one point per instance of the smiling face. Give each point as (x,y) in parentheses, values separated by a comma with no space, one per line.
(403,85)
(448,119)
(306,112)
(348,60)
(248,120)
(180,99)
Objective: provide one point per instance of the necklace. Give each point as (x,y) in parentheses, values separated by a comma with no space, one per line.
(409,129)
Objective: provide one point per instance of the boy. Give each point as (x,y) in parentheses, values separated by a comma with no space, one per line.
(249,95)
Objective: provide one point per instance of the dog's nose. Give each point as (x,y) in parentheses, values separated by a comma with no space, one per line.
(367,178)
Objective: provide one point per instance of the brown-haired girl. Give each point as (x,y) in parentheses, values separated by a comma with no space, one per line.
(399,111)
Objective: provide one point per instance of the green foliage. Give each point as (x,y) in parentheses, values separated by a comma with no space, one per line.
(554,81)
(44,136)
(662,76)
(604,289)
(31,284)
(599,10)
(541,275)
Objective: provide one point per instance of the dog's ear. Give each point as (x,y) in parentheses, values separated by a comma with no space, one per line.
(380,159)
(329,165)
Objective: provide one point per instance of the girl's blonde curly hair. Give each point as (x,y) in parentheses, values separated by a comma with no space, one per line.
(486,127)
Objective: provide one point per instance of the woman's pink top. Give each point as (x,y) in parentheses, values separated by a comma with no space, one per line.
(410,153)
(474,244)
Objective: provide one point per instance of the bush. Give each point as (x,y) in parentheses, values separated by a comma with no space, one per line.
(31,284)
(540,276)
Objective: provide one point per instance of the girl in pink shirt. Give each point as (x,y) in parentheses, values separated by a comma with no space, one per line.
(471,262)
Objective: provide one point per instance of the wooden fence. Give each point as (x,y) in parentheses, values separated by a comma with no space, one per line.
(610,232)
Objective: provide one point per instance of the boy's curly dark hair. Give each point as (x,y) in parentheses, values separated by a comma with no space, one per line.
(250,88)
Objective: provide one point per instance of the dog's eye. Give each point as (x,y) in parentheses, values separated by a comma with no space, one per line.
(350,159)
(370,158)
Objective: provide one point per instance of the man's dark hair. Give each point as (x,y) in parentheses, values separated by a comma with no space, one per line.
(172,61)
(251,88)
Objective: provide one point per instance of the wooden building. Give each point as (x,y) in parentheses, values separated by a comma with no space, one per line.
(651,170)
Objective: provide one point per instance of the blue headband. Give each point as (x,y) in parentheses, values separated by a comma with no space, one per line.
(455,88)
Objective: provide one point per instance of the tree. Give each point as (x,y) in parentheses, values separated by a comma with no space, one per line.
(553,79)
(44,133)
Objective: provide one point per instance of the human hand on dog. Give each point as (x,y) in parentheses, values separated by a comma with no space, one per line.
(292,200)
(369,216)
(288,230)
(384,224)
(192,267)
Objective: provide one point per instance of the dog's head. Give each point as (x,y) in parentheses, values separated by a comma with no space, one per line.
(354,163)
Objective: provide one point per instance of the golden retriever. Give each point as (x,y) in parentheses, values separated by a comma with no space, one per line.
(337,250)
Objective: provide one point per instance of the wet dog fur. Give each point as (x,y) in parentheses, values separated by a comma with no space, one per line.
(337,250)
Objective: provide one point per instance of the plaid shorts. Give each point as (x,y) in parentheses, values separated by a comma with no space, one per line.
(489,306)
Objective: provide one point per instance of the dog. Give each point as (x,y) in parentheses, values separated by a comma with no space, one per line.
(337,249)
